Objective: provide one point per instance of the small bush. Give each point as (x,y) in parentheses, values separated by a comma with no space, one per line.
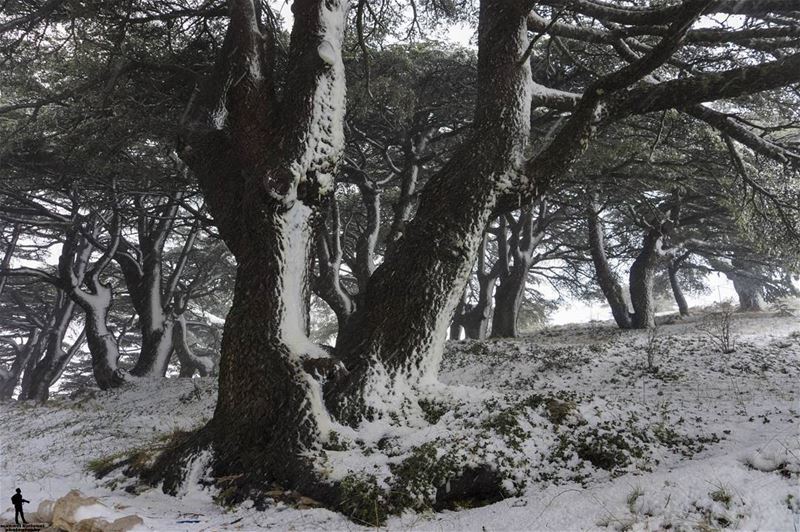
(652,349)
(362,500)
(719,328)
(104,465)
(417,478)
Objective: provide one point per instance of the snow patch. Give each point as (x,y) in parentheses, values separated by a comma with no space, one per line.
(197,470)
(296,236)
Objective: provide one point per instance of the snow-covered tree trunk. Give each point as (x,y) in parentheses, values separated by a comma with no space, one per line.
(394,341)
(101,342)
(49,368)
(267,397)
(608,282)
(365,246)
(266,168)
(83,285)
(189,361)
(144,277)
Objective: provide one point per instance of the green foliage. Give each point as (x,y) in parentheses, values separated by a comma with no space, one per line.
(336,442)
(432,411)
(417,478)
(362,500)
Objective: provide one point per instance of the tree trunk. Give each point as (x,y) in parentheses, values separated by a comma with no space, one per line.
(33,345)
(102,345)
(269,410)
(8,254)
(144,285)
(365,247)
(95,301)
(50,367)
(27,375)
(404,208)
(475,319)
(190,362)
(605,275)
(642,275)
(507,301)
(526,235)
(328,285)
(150,293)
(680,299)
(456,327)
(157,347)
(394,342)
(750,292)
(265,170)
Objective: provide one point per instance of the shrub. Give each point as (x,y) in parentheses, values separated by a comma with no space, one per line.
(719,327)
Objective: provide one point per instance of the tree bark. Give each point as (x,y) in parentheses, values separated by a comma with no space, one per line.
(642,275)
(27,375)
(746,281)
(24,354)
(265,168)
(475,319)
(456,328)
(365,247)
(527,234)
(605,275)
(102,345)
(677,292)
(189,361)
(8,254)
(328,285)
(750,292)
(145,281)
(95,300)
(507,301)
(395,340)
(404,208)
(268,410)
(51,366)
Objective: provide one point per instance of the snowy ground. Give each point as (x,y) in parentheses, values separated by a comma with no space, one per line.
(728,426)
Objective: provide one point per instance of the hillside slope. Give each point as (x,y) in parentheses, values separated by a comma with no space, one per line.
(707,440)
